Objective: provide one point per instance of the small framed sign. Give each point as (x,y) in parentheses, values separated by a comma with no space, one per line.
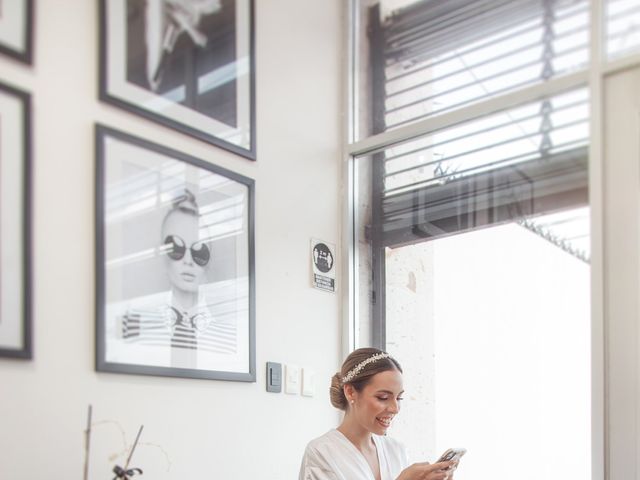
(323,259)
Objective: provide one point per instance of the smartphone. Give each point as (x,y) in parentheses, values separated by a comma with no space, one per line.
(452,454)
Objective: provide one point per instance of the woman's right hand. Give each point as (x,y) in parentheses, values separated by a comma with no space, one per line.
(427,471)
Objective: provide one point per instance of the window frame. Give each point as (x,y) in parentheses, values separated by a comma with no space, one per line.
(592,76)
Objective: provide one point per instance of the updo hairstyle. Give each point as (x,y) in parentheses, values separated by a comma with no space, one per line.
(362,378)
(185,202)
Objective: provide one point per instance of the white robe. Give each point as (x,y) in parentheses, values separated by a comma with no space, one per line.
(333,457)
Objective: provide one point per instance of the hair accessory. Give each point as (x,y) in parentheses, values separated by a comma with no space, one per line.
(351,374)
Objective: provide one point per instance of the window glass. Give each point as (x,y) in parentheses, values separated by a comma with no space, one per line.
(473,269)
(420,58)
(493,329)
(623,27)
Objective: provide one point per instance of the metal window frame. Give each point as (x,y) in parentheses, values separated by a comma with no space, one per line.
(591,76)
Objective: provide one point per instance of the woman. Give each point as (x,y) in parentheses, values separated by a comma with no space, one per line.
(368,389)
(186,260)
(178,325)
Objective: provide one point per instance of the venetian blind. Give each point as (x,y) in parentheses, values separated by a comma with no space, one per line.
(515,165)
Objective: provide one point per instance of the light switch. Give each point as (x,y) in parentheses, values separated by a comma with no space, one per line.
(308,382)
(274,377)
(292,379)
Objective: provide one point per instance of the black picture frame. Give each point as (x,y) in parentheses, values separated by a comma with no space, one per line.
(16,30)
(15,223)
(194,73)
(175,263)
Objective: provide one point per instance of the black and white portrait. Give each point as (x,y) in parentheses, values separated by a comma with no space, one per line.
(177,263)
(185,63)
(185,50)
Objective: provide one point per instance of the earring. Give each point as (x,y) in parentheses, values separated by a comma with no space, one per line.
(352,401)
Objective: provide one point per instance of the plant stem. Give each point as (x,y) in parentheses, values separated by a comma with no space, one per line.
(133,447)
(87,444)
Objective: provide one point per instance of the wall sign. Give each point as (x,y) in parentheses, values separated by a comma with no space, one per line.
(323,259)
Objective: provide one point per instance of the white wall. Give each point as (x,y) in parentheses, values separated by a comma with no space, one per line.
(205,429)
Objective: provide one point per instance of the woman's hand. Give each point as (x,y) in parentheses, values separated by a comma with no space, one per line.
(427,471)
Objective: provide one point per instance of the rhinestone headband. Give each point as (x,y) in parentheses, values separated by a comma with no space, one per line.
(351,374)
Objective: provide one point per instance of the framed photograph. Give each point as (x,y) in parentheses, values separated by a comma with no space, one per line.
(175,286)
(16,29)
(15,223)
(186,64)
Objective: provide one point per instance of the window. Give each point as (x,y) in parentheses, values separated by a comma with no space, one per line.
(426,58)
(623,27)
(471,224)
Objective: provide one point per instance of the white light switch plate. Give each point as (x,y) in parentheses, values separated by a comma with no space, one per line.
(308,382)
(292,379)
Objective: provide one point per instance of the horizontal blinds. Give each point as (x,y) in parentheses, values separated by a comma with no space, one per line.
(527,164)
(623,26)
(538,130)
(522,164)
(442,55)
(430,28)
(504,194)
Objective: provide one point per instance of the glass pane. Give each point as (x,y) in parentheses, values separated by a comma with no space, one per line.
(623,27)
(548,127)
(473,270)
(420,58)
(493,331)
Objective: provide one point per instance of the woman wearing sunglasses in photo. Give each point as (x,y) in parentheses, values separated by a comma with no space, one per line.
(186,260)
(184,325)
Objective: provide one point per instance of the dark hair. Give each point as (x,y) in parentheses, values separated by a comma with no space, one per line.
(362,378)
